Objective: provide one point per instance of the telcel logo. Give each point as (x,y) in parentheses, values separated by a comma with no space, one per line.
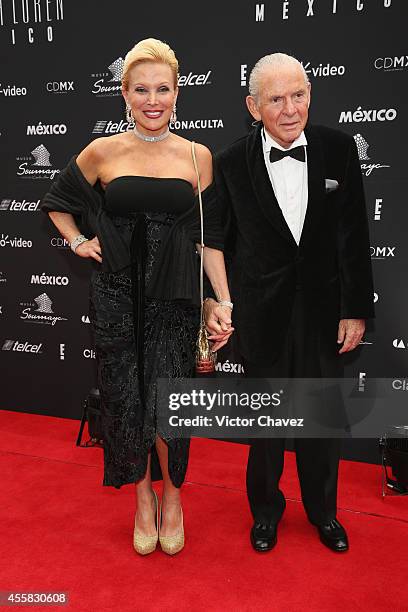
(194,79)
(21,347)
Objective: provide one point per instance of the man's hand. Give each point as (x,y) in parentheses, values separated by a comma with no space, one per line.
(350,334)
(218,323)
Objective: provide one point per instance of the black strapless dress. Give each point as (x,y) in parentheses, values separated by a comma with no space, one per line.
(138,339)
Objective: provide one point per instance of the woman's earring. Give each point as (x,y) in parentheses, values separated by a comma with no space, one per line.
(173,117)
(128,114)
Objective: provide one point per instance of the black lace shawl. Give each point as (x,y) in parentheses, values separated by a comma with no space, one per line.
(175,274)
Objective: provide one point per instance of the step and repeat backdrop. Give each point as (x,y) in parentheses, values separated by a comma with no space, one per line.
(60,74)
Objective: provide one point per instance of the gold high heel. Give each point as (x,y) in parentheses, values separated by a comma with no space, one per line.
(144,544)
(172,544)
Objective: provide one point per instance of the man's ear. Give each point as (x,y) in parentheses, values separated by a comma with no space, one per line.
(253,108)
(310,93)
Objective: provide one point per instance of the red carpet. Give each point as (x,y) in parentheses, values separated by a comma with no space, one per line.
(63,531)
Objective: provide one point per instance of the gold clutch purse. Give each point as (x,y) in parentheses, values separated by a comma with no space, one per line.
(204,359)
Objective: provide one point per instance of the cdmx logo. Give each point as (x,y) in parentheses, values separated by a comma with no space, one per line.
(362,149)
(102,86)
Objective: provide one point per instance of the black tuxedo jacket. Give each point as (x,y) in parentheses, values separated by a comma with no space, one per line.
(331,267)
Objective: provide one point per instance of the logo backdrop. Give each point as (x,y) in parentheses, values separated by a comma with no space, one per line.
(60,88)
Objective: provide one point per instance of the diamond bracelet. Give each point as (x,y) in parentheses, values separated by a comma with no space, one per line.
(77,241)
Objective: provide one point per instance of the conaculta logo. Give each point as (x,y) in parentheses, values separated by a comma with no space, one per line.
(197,124)
(19,205)
(323,70)
(16,242)
(21,347)
(109,83)
(40,311)
(360,115)
(362,149)
(399,344)
(40,168)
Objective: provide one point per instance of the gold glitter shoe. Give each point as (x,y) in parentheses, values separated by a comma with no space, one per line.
(172,544)
(144,544)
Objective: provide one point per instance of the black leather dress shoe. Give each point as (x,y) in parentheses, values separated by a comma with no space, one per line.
(334,536)
(263,536)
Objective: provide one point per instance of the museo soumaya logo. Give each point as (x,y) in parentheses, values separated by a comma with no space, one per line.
(40,311)
(19,205)
(363,155)
(109,82)
(38,165)
(21,346)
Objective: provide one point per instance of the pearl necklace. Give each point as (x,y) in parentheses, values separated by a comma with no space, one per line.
(151,138)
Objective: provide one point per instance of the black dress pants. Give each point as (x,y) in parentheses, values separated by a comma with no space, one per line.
(310,351)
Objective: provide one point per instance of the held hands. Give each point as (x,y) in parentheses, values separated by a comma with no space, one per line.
(350,334)
(90,248)
(218,323)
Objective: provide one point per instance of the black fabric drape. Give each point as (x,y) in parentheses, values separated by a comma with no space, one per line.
(175,273)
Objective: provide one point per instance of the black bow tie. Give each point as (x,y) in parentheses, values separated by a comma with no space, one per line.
(297,153)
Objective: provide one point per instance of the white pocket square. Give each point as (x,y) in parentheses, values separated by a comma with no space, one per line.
(331,185)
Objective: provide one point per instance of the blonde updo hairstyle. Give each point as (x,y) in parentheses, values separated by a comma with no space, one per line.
(149,50)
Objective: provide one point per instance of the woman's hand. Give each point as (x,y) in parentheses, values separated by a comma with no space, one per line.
(90,248)
(218,323)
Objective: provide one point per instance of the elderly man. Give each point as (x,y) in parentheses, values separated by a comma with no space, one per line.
(300,275)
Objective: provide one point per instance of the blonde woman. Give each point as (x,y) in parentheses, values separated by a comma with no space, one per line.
(129,203)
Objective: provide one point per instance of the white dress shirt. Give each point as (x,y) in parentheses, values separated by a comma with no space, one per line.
(288,177)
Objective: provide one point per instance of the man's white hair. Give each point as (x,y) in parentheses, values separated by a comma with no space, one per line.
(274,60)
